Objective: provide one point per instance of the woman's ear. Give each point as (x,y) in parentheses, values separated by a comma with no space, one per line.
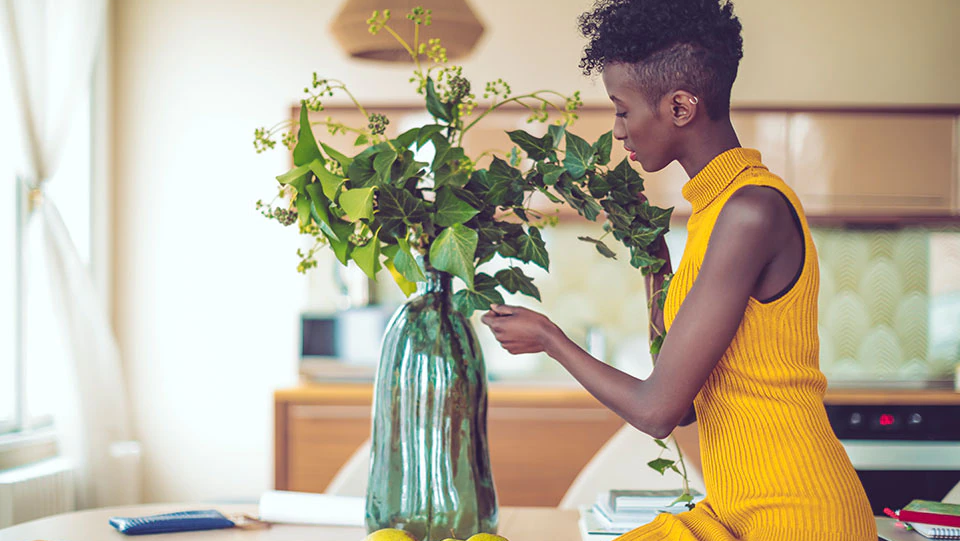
(683,107)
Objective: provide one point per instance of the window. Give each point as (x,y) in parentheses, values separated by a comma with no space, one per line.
(26,402)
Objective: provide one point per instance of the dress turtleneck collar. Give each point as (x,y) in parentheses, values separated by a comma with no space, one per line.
(713,179)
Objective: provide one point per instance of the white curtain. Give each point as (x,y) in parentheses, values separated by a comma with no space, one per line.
(52,46)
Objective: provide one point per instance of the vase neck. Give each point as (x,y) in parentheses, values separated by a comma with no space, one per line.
(437,283)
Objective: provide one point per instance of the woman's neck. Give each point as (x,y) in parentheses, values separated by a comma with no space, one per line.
(713,139)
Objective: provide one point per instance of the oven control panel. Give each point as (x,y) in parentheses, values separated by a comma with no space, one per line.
(913,423)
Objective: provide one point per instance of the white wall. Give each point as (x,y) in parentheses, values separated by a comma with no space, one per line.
(206,297)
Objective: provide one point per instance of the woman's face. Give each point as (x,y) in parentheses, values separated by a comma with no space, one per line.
(648,136)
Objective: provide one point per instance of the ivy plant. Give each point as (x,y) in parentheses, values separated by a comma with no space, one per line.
(382,208)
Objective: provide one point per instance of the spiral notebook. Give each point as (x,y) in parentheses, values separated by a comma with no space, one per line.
(936,532)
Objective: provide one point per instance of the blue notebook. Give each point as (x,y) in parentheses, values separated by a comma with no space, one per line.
(184,521)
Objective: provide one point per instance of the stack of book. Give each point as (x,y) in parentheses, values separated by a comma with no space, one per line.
(934,520)
(619,511)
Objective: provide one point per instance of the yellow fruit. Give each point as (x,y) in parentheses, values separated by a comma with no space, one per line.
(486,537)
(390,534)
(452,539)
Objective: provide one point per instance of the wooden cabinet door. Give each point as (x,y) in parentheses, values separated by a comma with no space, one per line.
(873,163)
(539,439)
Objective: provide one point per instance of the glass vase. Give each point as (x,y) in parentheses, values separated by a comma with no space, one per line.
(429,461)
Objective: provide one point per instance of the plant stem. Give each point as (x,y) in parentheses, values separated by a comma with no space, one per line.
(683,464)
(517,99)
(405,46)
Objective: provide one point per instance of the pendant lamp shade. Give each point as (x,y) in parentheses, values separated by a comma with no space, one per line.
(453,22)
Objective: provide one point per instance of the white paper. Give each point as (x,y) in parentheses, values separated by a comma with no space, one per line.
(308,508)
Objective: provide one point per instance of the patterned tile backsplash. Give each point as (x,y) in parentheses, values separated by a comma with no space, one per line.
(889,304)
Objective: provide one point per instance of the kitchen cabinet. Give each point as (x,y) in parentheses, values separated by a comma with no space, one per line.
(845,163)
(540,438)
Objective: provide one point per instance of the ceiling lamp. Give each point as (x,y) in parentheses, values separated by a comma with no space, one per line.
(453,22)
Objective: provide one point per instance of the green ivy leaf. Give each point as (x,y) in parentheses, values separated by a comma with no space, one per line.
(368,257)
(341,230)
(453,252)
(383,162)
(660,443)
(406,264)
(447,155)
(330,182)
(643,236)
(550,196)
(406,286)
(427,132)
(296,177)
(602,148)
(625,179)
(342,249)
(661,465)
(408,168)
(579,158)
(303,209)
(361,172)
(556,132)
(599,185)
(489,232)
(532,249)
(656,344)
(446,176)
(551,173)
(683,498)
(581,202)
(320,203)
(480,297)
(604,250)
(434,106)
(362,139)
(503,184)
(396,209)
(451,209)
(619,217)
(340,158)
(537,148)
(406,139)
(468,196)
(658,217)
(357,203)
(306,150)
(640,259)
(514,280)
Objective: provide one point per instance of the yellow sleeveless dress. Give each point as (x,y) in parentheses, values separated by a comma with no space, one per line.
(772,466)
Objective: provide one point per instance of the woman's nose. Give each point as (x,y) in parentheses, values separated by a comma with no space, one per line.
(619,131)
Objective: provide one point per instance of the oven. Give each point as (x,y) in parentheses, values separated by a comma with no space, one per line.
(901,452)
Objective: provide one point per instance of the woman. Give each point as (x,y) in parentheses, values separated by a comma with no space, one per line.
(741,310)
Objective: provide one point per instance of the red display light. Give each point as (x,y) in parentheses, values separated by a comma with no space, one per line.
(886,419)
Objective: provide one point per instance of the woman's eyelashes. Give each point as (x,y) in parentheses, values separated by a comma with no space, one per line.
(621,115)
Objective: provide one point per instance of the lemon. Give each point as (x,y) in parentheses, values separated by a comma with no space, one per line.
(486,537)
(390,534)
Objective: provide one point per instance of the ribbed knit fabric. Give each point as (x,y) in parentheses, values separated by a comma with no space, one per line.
(772,466)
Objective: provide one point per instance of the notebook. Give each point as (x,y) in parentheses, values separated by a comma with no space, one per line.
(936,532)
(935,513)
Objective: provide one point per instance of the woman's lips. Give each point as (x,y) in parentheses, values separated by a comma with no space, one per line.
(633,156)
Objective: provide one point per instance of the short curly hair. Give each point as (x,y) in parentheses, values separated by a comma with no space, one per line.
(693,45)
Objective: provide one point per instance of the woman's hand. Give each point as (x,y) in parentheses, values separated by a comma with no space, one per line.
(520,330)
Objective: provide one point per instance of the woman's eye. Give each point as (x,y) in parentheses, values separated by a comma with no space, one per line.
(621,115)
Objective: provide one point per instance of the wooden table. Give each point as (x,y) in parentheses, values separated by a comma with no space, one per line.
(516,524)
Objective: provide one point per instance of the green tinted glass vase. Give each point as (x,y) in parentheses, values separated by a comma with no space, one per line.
(429,462)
